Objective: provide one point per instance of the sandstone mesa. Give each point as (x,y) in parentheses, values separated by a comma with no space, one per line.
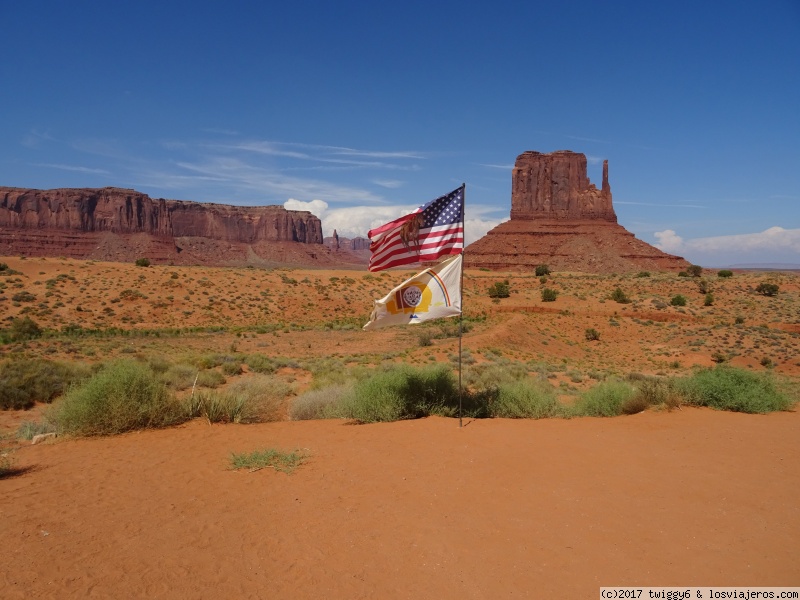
(122,224)
(559,218)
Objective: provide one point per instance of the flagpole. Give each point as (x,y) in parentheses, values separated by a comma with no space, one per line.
(461,304)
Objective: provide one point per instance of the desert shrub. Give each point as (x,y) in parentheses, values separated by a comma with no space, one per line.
(424,338)
(704,286)
(767,362)
(738,390)
(683,274)
(695,270)
(606,399)
(678,300)
(490,376)
(260,363)
(525,399)
(232,368)
(592,334)
(619,296)
(653,391)
(709,299)
(317,404)
(21,330)
(159,364)
(643,274)
(264,398)
(500,289)
(142,262)
(767,289)
(739,320)
(542,270)
(217,407)
(210,379)
(124,395)
(549,295)
(25,382)
(23,296)
(401,392)
(725,273)
(180,376)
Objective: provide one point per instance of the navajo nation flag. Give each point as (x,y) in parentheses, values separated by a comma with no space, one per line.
(430,232)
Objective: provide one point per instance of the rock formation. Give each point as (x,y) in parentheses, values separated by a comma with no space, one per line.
(123,224)
(559,218)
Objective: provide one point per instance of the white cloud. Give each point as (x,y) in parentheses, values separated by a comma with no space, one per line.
(356,221)
(775,244)
(475,229)
(315,207)
(388,183)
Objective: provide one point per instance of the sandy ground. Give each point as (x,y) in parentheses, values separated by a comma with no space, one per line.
(415,509)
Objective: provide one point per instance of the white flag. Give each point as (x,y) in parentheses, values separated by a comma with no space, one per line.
(432,294)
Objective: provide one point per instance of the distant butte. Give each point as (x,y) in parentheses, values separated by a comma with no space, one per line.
(122,225)
(560,218)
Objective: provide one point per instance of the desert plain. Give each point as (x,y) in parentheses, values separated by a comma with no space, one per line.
(547,508)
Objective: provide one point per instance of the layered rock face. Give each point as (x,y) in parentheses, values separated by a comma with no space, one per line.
(121,224)
(556,186)
(559,218)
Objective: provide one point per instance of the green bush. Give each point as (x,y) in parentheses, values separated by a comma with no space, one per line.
(683,274)
(549,295)
(619,296)
(695,270)
(25,382)
(643,274)
(542,270)
(606,399)
(767,289)
(21,330)
(500,290)
(704,286)
(401,392)
(729,388)
(142,262)
(678,300)
(124,395)
(725,273)
(525,399)
(709,299)
(260,363)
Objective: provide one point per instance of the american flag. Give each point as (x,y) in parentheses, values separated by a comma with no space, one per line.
(430,232)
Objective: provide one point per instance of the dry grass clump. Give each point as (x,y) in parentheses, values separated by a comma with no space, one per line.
(256,399)
(317,403)
(286,462)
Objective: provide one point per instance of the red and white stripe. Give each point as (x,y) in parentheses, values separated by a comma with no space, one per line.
(389,250)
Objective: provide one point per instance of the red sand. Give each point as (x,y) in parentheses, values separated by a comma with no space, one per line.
(416,509)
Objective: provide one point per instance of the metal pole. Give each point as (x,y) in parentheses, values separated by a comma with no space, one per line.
(461,303)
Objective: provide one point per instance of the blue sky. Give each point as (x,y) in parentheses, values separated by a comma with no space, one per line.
(360,111)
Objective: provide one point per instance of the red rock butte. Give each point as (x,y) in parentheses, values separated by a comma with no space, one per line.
(122,225)
(559,218)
